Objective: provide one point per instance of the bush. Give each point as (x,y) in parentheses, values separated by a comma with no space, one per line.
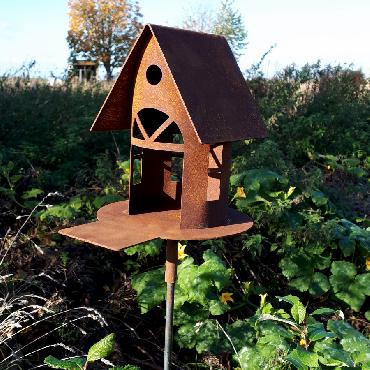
(306,187)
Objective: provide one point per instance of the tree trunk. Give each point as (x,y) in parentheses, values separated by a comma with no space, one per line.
(108,70)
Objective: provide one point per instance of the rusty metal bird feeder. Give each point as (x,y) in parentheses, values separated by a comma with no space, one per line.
(182,95)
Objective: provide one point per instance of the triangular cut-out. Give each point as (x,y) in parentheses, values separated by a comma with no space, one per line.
(171,134)
(136,133)
(151,119)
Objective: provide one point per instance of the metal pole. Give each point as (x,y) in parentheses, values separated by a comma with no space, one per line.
(170,279)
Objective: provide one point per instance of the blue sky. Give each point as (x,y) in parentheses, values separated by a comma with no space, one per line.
(335,31)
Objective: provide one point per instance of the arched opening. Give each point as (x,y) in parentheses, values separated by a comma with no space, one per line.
(152,128)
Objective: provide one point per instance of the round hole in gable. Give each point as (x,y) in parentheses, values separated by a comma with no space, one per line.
(153,74)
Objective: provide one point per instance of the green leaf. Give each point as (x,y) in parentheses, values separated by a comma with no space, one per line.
(357,171)
(202,335)
(105,199)
(332,354)
(351,339)
(101,349)
(265,317)
(300,269)
(150,288)
(323,311)
(289,267)
(319,284)
(303,358)
(343,274)
(70,364)
(127,367)
(347,286)
(317,331)
(32,194)
(298,311)
(151,248)
(319,198)
(367,315)
(216,307)
(363,281)
(347,245)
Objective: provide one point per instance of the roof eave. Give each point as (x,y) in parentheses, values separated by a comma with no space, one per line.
(115,113)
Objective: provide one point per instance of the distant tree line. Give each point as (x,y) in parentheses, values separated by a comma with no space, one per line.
(104,30)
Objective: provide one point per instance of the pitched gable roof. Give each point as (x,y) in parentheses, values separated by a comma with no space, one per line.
(209,81)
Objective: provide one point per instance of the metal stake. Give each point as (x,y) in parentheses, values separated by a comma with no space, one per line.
(170,279)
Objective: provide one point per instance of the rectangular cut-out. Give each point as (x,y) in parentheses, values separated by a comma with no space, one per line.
(214,172)
(156,191)
(176,168)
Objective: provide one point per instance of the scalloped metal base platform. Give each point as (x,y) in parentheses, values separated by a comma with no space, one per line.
(116,229)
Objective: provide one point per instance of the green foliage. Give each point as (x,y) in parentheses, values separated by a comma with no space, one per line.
(226,21)
(149,288)
(301,269)
(197,298)
(77,207)
(305,257)
(151,248)
(298,311)
(348,286)
(32,194)
(70,364)
(303,359)
(100,350)
(197,287)
(302,341)
(352,238)
(45,136)
(229,23)
(202,284)
(306,187)
(140,254)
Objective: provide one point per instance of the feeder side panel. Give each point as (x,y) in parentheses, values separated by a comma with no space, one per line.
(194,189)
(157,115)
(163,96)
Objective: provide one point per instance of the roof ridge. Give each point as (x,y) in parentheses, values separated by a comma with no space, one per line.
(203,33)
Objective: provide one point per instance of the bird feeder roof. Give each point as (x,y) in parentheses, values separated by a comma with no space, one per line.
(211,86)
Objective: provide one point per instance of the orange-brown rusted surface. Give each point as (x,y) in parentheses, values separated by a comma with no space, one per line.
(171,261)
(213,90)
(183,97)
(116,229)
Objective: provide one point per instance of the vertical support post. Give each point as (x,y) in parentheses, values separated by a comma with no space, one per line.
(170,279)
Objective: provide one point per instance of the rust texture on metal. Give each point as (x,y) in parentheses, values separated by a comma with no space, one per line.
(116,229)
(171,261)
(185,100)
